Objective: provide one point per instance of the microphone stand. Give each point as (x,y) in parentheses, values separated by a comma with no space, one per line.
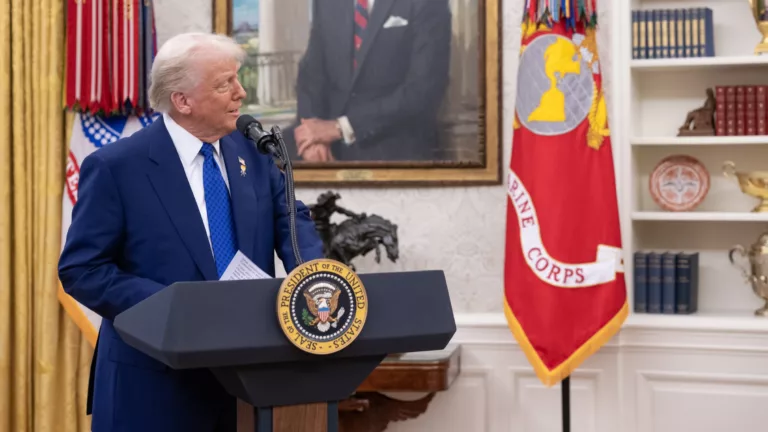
(290,196)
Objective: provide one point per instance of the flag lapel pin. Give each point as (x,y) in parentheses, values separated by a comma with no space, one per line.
(242,166)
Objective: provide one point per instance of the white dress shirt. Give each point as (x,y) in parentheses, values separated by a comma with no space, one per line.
(188,147)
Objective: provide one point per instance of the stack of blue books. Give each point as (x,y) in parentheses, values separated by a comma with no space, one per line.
(672,33)
(666,282)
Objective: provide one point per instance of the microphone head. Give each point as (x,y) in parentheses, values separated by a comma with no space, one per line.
(245,121)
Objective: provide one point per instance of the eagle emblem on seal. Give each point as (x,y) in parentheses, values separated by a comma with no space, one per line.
(322,304)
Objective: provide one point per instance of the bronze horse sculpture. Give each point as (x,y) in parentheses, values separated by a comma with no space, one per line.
(356,236)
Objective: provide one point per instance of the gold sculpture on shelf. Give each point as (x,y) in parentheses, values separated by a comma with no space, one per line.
(759,13)
(757,257)
(753,183)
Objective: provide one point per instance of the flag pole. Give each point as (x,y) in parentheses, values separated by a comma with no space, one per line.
(565,393)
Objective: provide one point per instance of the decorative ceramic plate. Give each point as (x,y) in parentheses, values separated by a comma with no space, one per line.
(679,183)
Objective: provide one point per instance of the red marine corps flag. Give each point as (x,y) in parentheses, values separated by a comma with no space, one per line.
(564,279)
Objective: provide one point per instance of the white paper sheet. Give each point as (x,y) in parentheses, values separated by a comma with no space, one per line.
(241,268)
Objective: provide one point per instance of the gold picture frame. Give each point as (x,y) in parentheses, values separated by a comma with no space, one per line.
(485,169)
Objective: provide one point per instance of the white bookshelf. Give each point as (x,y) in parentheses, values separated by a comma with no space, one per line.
(720,63)
(652,98)
(702,321)
(698,141)
(693,216)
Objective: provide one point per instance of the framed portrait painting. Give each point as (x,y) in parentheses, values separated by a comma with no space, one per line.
(370,92)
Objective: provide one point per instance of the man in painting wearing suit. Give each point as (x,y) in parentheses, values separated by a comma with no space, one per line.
(174,202)
(372,80)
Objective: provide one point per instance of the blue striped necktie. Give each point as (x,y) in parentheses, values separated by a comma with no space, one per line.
(219,209)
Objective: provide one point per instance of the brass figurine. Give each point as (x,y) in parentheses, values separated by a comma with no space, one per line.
(755,274)
(701,121)
(753,183)
(759,13)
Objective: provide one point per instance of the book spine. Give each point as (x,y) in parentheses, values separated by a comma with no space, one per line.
(750,109)
(654,282)
(643,30)
(761,98)
(635,36)
(664,32)
(641,282)
(730,110)
(656,23)
(683,294)
(741,111)
(693,296)
(719,110)
(680,23)
(707,48)
(695,39)
(673,44)
(668,282)
(688,33)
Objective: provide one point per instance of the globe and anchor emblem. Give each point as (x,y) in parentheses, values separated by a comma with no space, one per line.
(555,85)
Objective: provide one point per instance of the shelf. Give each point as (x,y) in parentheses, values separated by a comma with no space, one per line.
(699,141)
(700,216)
(725,321)
(714,320)
(686,64)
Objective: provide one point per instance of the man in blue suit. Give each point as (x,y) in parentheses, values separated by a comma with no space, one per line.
(174,202)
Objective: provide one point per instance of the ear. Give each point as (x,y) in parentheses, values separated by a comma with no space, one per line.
(181,103)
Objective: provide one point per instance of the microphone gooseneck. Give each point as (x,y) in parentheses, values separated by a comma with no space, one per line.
(272,143)
(290,196)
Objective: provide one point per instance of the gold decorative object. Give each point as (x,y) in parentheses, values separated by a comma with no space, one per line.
(757,256)
(753,183)
(759,13)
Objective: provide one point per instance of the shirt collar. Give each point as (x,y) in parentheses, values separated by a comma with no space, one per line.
(187,145)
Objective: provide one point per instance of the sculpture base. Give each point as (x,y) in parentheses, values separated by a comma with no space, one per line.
(763,311)
(761,48)
(762,207)
(696,132)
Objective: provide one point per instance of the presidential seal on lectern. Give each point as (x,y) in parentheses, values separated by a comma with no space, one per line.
(322,306)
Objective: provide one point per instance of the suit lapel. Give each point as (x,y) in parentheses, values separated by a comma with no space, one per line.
(173,189)
(345,31)
(244,203)
(376,21)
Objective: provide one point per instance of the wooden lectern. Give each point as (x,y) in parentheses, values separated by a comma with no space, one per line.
(232,328)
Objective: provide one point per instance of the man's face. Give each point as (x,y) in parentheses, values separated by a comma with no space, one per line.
(215,100)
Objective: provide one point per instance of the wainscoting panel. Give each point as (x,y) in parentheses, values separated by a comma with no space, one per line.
(646,379)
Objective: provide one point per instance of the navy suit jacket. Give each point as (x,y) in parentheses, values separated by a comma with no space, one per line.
(136,229)
(393,98)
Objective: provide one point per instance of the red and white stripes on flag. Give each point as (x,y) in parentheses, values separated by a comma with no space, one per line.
(110,48)
(103,50)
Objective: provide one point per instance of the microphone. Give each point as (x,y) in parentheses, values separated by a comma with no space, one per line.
(265,141)
(271,143)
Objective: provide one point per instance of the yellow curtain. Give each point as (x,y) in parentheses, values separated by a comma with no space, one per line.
(44,359)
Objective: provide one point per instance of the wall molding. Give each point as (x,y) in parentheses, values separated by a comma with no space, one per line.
(696,335)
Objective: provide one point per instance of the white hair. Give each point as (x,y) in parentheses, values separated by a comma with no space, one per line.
(173,69)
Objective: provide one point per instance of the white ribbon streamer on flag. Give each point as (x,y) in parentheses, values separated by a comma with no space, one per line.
(608,259)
